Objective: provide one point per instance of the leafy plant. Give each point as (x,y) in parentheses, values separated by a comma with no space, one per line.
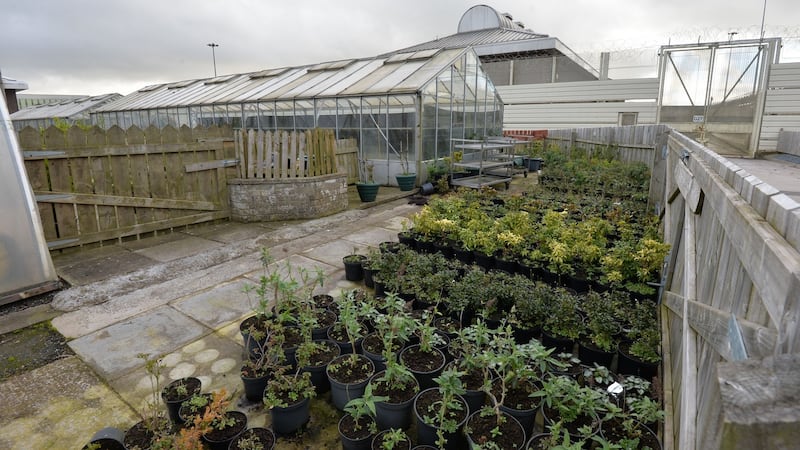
(443,412)
(208,413)
(363,407)
(392,438)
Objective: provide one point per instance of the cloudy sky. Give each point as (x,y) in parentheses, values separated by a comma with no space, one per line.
(100,46)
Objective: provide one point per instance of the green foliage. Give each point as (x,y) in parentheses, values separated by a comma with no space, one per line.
(392,438)
(364,406)
(442,412)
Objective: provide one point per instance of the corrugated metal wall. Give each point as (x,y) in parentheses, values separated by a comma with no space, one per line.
(782,106)
(582,104)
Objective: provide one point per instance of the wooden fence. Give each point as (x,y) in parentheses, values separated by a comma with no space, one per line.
(732,290)
(93,185)
(347,158)
(284,154)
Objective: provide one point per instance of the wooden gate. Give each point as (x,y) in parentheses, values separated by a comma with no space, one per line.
(94,185)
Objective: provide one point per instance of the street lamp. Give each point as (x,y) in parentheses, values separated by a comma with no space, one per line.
(214,56)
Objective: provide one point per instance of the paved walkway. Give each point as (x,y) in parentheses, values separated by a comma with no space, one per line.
(178,296)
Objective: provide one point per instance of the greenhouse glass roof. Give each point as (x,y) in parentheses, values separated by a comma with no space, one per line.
(397,73)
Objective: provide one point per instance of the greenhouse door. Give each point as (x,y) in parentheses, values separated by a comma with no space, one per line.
(715,92)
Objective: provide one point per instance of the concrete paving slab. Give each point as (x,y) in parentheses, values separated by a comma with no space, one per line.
(229,232)
(333,252)
(164,237)
(112,351)
(119,299)
(292,266)
(372,236)
(214,359)
(187,246)
(70,257)
(58,406)
(219,305)
(396,224)
(100,269)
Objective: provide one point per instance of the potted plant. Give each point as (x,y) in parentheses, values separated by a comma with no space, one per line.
(580,409)
(391,439)
(599,342)
(257,438)
(406,178)
(441,413)
(211,423)
(393,330)
(155,428)
(357,427)
(350,372)
(353,266)
(367,189)
(514,380)
(176,393)
(563,324)
(424,360)
(398,386)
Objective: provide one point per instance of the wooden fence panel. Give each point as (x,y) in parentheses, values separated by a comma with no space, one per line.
(285,154)
(347,158)
(109,185)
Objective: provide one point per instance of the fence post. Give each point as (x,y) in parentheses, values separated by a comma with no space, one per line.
(759,402)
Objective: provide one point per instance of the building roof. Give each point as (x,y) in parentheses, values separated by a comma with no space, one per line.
(12,84)
(395,73)
(496,36)
(74,108)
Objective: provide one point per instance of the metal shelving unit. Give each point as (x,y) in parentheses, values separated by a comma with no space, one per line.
(492,158)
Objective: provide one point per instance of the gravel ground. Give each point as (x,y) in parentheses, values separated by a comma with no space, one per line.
(30,347)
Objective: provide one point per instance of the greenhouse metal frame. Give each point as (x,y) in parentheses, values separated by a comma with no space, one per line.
(405,106)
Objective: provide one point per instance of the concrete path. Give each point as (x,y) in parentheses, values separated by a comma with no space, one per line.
(176,296)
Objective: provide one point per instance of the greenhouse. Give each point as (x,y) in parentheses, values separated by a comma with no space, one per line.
(402,107)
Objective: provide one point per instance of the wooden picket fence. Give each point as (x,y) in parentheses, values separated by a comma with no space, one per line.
(284,154)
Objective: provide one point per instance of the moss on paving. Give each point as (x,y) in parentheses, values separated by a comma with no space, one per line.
(30,347)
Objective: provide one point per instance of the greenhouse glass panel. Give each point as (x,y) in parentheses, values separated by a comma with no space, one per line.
(221,115)
(194,119)
(373,128)
(183,117)
(266,116)
(303,114)
(402,120)
(349,118)
(444,108)
(284,115)
(470,97)
(162,118)
(206,116)
(400,73)
(127,119)
(251,119)
(428,123)
(326,113)
(341,85)
(235,115)
(457,105)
